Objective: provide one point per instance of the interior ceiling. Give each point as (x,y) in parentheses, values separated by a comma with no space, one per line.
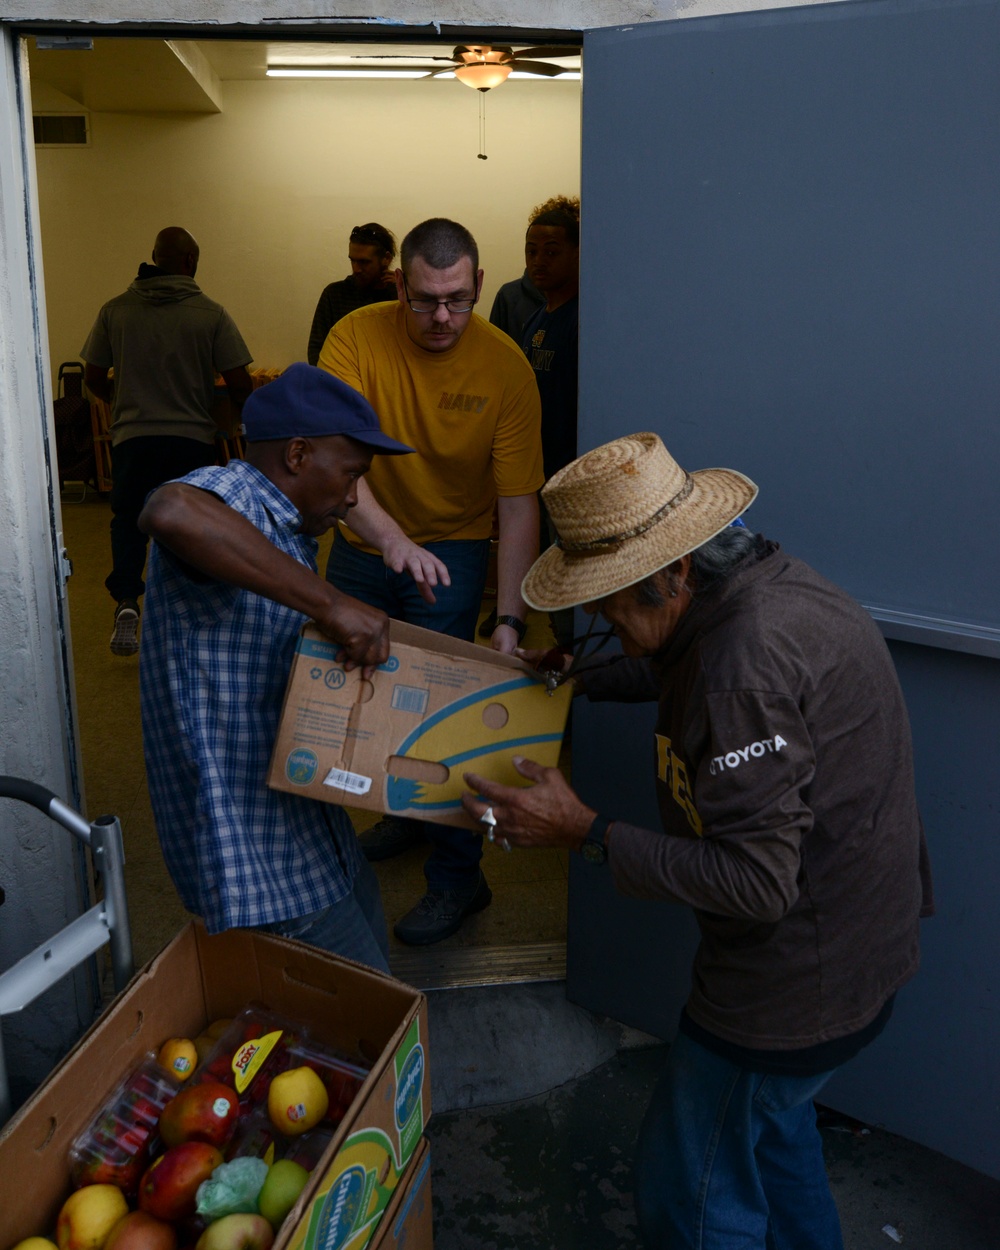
(157,75)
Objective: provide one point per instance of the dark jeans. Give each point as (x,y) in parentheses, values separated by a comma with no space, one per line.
(455,853)
(732,1158)
(139,465)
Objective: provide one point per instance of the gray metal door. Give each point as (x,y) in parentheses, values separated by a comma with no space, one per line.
(791,266)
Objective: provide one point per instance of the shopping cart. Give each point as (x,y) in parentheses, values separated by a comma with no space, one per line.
(106,921)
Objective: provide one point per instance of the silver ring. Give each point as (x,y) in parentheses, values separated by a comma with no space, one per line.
(488,818)
(501,841)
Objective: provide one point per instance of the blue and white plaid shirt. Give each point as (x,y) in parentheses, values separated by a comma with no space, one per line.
(214,664)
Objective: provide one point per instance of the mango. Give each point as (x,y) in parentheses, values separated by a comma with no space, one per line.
(168,1191)
(206,1112)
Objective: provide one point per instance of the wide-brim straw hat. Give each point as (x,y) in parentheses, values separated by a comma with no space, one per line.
(623,511)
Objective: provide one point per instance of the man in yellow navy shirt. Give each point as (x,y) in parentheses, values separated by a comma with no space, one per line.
(460,392)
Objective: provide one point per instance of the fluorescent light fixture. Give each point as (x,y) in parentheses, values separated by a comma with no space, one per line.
(295,71)
(573,74)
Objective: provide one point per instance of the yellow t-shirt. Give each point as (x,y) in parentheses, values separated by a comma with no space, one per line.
(472,414)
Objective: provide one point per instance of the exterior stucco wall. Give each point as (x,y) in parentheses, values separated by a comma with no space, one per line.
(39,862)
(523,14)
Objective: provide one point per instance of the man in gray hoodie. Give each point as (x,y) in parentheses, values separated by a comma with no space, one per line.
(166,342)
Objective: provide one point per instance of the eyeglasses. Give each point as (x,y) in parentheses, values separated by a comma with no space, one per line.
(362,234)
(432,305)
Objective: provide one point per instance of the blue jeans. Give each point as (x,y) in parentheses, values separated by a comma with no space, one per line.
(730,1159)
(354,928)
(455,853)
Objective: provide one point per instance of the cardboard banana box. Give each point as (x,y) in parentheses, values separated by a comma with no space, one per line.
(400,742)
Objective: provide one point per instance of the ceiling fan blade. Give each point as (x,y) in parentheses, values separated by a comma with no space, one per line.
(546,52)
(396,56)
(538,67)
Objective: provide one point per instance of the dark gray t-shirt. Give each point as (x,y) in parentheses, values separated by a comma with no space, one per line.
(166,341)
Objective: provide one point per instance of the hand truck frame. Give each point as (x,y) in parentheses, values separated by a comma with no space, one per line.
(106,922)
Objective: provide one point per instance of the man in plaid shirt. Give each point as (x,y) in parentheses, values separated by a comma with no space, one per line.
(232,576)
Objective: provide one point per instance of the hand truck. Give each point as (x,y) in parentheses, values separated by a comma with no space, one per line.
(107,921)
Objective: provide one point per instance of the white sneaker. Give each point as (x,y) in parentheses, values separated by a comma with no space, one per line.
(125,640)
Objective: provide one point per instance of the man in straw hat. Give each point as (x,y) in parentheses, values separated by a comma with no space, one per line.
(232,577)
(784,776)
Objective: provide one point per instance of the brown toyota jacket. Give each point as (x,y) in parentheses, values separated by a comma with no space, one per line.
(784,776)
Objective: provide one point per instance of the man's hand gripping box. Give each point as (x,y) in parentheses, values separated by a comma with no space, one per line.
(399,743)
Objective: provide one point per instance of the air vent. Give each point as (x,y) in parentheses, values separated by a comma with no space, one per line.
(61,130)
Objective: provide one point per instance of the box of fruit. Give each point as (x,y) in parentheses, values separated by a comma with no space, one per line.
(243,1093)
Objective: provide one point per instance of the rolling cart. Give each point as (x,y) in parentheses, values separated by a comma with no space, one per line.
(105,922)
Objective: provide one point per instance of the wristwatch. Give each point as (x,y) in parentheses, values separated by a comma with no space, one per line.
(593,849)
(515,623)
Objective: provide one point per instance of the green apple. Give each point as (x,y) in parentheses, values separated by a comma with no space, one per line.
(284,1182)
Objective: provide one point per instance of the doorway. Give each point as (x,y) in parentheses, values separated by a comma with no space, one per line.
(270,175)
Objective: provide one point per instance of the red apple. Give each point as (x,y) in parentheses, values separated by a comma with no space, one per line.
(207,1112)
(169,1188)
(237,1232)
(139,1231)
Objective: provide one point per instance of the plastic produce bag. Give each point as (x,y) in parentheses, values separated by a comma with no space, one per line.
(232,1188)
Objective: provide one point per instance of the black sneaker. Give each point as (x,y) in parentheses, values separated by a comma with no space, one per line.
(392,835)
(440,913)
(125,638)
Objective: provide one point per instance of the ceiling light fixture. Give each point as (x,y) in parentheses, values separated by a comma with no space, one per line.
(482,75)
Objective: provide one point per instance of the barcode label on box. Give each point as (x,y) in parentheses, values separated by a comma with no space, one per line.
(341,779)
(410,699)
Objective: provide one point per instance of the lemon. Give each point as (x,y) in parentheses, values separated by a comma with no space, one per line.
(178,1055)
(297,1101)
(35,1243)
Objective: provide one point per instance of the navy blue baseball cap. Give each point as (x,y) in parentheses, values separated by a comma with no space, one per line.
(306,402)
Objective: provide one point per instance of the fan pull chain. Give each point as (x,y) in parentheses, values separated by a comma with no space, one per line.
(482,126)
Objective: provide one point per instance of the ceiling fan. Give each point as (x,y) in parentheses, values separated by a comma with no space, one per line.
(484,66)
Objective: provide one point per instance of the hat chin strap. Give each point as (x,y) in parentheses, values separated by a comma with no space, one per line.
(553,680)
(613,540)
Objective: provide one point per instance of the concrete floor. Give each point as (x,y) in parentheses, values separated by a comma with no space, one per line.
(522,1160)
(536,1102)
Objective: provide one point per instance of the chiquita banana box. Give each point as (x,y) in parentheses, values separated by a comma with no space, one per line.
(358,1185)
(400,741)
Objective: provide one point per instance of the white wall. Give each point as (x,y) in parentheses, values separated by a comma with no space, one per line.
(271,187)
